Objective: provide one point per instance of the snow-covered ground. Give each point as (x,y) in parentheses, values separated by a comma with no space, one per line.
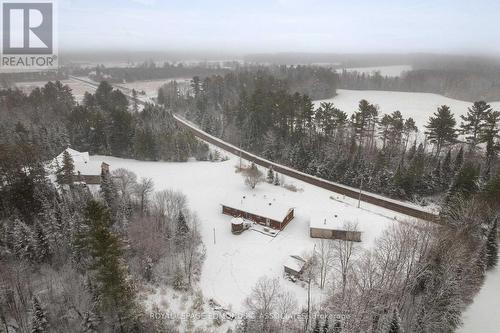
(419,106)
(396,70)
(234,263)
(78,88)
(150,87)
(483,314)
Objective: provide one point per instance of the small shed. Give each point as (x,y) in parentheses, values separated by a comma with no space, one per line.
(238,225)
(332,226)
(294,266)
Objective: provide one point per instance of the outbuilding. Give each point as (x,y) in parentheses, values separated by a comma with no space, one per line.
(263,210)
(332,226)
(294,266)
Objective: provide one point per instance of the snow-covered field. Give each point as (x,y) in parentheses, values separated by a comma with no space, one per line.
(78,88)
(420,106)
(151,87)
(393,71)
(235,262)
(482,314)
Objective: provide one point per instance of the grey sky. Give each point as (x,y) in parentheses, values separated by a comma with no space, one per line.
(282,25)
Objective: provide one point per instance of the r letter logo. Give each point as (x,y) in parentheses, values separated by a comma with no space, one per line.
(28,35)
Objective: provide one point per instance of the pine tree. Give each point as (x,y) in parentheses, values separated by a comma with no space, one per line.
(474,123)
(490,134)
(466,181)
(317,327)
(395,326)
(459,160)
(109,192)
(24,246)
(39,323)
(276,179)
(110,275)
(181,230)
(337,327)
(270,175)
(90,322)
(42,247)
(325,328)
(446,169)
(492,247)
(135,101)
(65,174)
(441,128)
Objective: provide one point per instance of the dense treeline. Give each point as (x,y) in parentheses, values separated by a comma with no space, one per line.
(460,84)
(9,79)
(378,151)
(104,123)
(73,261)
(152,71)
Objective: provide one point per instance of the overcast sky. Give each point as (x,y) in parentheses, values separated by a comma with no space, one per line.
(443,26)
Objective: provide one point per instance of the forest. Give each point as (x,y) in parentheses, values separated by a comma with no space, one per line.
(261,113)
(458,83)
(73,261)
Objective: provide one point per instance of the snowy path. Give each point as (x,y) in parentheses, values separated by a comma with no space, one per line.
(483,315)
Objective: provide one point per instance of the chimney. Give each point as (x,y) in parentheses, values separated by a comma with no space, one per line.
(104,168)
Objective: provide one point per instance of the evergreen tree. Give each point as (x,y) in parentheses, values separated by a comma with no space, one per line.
(270,175)
(459,160)
(135,101)
(182,230)
(109,192)
(492,191)
(276,179)
(466,181)
(325,328)
(446,170)
(441,128)
(317,327)
(90,323)
(492,246)
(474,123)
(39,323)
(337,327)
(24,246)
(490,134)
(65,175)
(108,271)
(395,326)
(42,247)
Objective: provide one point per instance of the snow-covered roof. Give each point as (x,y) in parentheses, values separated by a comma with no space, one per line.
(261,205)
(295,263)
(80,161)
(237,221)
(327,220)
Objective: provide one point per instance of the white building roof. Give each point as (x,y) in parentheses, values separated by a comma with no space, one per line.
(327,220)
(295,263)
(264,206)
(80,160)
(237,221)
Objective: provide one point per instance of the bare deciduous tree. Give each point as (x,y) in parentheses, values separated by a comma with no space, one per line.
(143,189)
(253,176)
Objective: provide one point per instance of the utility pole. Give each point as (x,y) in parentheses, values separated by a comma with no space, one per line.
(360,189)
(214,236)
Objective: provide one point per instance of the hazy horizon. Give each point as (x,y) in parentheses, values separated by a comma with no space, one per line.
(277,26)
